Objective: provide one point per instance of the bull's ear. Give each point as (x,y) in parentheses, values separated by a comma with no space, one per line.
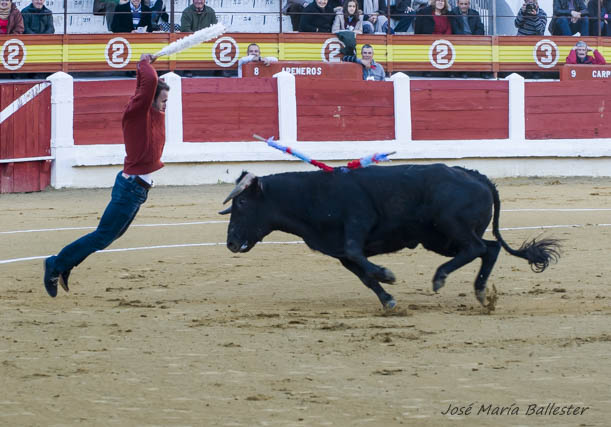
(225,211)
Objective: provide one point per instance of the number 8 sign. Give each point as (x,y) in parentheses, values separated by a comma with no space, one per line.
(13,54)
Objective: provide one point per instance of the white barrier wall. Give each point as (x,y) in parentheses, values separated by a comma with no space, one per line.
(89,166)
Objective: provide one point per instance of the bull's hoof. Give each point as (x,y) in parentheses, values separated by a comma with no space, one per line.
(386,276)
(390,304)
(438,283)
(481,296)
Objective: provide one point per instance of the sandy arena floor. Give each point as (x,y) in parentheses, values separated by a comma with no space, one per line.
(281,336)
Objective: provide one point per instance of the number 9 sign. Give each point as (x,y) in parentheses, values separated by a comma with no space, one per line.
(225,52)
(13,54)
(118,52)
(442,54)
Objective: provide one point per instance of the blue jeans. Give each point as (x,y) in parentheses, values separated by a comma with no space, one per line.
(564,27)
(126,198)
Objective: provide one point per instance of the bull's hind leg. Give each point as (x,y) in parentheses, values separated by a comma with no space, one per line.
(474,249)
(488,259)
(385,298)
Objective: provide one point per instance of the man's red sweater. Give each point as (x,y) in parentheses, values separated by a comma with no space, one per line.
(597,59)
(143,126)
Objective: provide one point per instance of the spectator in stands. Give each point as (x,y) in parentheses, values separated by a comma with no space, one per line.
(132,17)
(434,19)
(570,17)
(531,19)
(598,13)
(294,9)
(254,55)
(197,16)
(37,19)
(160,19)
(579,55)
(348,18)
(318,17)
(375,20)
(466,20)
(371,69)
(11,20)
(404,13)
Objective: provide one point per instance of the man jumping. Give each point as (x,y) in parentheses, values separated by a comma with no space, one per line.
(144,136)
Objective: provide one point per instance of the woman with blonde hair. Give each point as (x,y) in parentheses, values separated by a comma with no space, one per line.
(11,20)
(434,19)
(348,18)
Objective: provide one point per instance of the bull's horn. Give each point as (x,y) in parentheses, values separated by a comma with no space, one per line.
(242,185)
(225,211)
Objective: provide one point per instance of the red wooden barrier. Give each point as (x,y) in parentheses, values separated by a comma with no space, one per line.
(339,110)
(447,110)
(26,133)
(229,109)
(573,109)
(98,109)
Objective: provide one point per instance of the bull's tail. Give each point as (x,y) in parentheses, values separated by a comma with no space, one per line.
(538,253)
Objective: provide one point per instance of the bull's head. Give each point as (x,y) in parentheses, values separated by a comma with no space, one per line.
(248,223)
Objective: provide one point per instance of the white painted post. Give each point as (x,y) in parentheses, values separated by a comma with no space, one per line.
(403,107)
(517,110)
(173,112)
(287,107)
(62,123)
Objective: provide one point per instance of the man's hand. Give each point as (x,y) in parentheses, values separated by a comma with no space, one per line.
(266,61)
(366,63)
(148,58)
(575,14)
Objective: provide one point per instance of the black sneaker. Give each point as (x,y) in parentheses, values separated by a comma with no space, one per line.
(51,277)
(63,280)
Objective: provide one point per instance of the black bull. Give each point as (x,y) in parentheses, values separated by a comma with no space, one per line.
(360,213)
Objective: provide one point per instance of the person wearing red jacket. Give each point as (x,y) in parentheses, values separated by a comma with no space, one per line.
(144,136)
(579,55)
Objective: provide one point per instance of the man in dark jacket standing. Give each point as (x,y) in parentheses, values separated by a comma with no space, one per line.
(144,137)
(37,19)
(466,20)
(318,17)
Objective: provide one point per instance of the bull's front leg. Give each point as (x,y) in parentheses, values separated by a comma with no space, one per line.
(385,298)
(354,243)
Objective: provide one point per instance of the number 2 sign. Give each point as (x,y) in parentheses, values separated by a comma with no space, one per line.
(13,54)
(442,54)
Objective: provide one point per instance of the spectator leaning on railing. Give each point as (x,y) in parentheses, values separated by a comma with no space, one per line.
(375,20)
(433,19)
(531,19)
(197,16)
(318,17)
(466,20)
(11,20)
(132,17)
(37,19)
(371,69)
(599,18)
(254,55)
(579,55)
(570,17)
